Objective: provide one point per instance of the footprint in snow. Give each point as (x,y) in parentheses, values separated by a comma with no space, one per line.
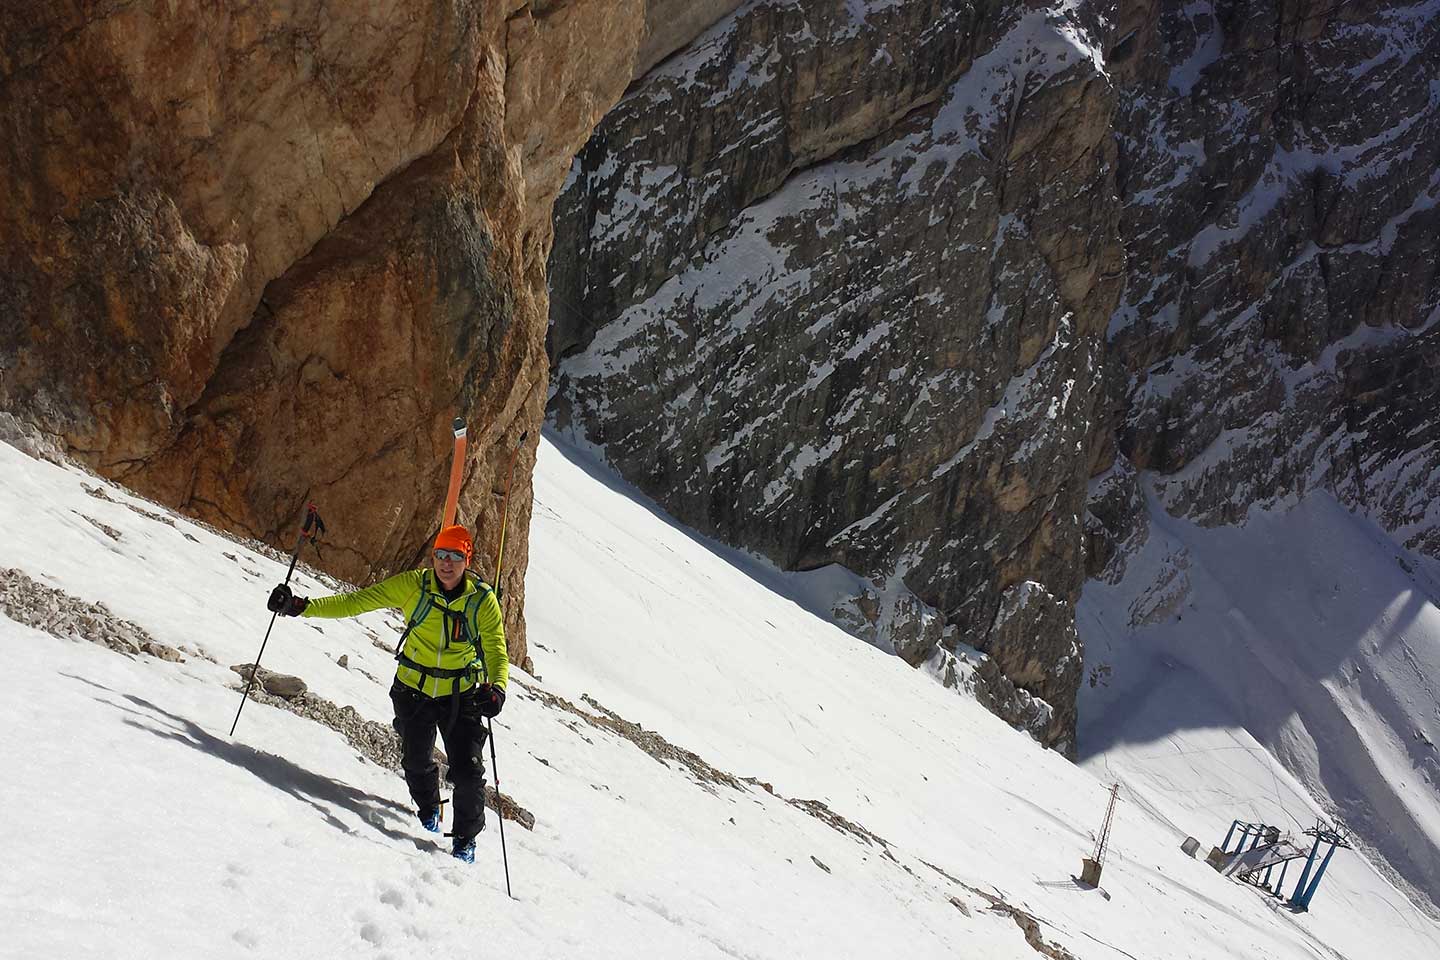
(245,938)
(370,931)
(416,932)
(392,896)
(234,872)
(424,844)
(424,878)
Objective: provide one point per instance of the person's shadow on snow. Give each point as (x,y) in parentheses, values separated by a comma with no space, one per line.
(320,792)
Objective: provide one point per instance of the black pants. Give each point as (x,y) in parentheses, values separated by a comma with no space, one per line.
(417,718)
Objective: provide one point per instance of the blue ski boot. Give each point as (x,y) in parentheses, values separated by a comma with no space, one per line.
(464,852)
(430,820)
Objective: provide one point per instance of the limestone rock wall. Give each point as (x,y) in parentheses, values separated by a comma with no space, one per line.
(882,285)
(254,254)
(848,306)
(1280,165)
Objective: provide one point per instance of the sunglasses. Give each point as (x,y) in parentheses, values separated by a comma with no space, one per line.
(454,556)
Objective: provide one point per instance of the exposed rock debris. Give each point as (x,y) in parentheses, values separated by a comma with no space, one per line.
(706,774)
(56,612)
(821,812)
(104,528)
(99,493)
(1025,921)
(158,518)
(276,684)
(649,741)
(943,873)
(662,750)
(376,742)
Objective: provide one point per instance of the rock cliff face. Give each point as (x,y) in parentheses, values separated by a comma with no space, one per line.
(853,282)
(848,306)
(1280,166)
(254,253)
(883,284)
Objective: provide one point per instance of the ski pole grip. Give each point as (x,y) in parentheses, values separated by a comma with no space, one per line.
(312,519)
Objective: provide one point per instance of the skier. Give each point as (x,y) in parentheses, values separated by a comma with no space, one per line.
(452,674)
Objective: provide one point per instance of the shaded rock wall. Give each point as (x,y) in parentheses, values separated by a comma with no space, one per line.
(848,306)
(1279,168)
(843,283)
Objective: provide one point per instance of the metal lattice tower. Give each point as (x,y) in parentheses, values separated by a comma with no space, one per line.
(1103,843)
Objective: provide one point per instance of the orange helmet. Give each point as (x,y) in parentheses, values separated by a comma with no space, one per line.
(456,538)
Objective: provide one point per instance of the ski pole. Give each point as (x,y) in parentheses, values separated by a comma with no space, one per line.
(490,721)
(505,513)
(495,768)
(312,519)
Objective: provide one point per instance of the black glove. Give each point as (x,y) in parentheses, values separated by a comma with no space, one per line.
(285,603)
(490,699)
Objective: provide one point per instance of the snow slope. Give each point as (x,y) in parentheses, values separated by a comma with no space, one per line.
(133,826)
(1305,633)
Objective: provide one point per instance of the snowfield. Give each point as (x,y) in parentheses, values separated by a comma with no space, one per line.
(1305,634)
(133,826)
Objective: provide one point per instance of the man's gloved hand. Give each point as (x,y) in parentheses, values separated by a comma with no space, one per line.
(491,698)
(285,603)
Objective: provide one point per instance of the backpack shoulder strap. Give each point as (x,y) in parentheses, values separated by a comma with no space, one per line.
(421,611)
(472,609)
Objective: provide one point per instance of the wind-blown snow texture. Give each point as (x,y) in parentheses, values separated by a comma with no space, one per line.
(132,826)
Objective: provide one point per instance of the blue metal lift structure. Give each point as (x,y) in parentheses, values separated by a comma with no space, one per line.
(1267,848)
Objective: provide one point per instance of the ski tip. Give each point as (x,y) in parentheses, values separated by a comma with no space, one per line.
(524,435)
(458,426)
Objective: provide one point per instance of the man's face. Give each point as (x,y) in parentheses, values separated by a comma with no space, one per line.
(449,567)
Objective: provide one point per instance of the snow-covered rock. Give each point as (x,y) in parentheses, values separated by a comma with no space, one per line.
(847,306)
(841,283)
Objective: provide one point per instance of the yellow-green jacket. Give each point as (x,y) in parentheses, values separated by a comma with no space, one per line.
(439,649)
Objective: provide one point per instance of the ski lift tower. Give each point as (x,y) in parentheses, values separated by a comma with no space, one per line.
(1261,848)
(1090,867)
(1336,840)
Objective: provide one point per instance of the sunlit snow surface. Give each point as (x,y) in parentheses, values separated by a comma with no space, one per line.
(1306,632)
(133,826)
